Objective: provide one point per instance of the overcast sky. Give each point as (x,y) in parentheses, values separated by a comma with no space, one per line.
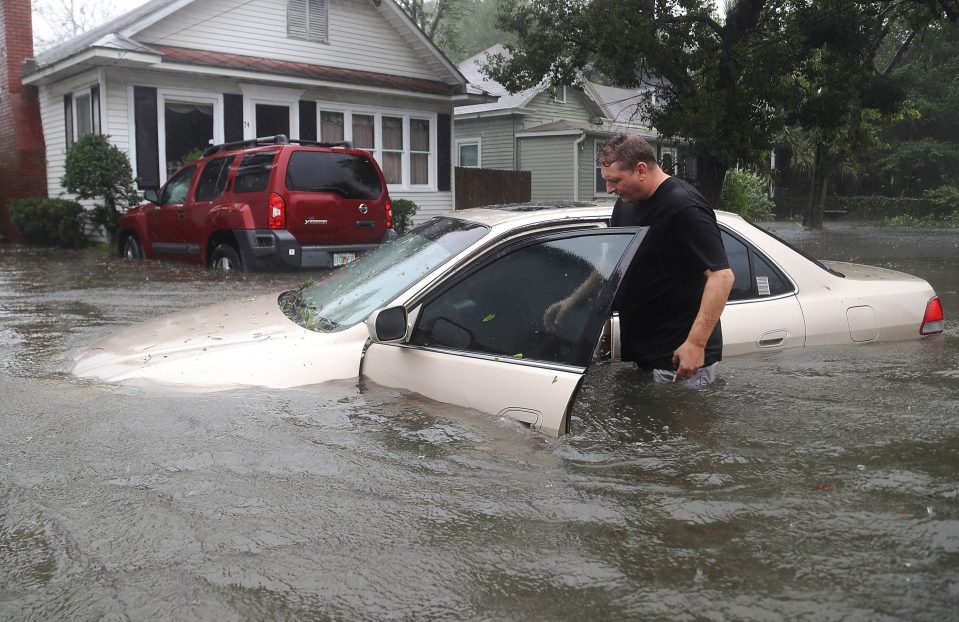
(43,30)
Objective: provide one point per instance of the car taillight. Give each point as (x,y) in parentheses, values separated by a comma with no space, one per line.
(389,215)
(934,319)
(277,212)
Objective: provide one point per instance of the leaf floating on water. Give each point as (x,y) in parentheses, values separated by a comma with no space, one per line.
(826,487)
(490,317)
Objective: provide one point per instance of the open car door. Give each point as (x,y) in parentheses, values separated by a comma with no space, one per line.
(488,337)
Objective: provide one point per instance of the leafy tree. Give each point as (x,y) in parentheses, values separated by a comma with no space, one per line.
(920,149)
(483,32)
(439,20)
(843,90)
(96,168)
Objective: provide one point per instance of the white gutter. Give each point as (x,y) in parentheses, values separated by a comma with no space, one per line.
(576,145)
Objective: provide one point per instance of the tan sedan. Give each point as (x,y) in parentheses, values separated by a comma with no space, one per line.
(454,310)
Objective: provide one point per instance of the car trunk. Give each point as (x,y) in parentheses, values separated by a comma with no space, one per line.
(334,197)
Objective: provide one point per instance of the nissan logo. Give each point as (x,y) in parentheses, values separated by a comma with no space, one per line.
(364,208)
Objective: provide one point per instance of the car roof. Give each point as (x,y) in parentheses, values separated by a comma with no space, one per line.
(517,214)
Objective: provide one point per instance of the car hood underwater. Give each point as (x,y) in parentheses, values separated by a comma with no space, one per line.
(224,346)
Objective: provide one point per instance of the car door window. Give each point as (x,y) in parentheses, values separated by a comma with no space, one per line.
(213,179)
(755,276)
(174,193)
(500,308)
(254,172)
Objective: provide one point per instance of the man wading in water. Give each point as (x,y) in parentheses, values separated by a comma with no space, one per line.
(670,301)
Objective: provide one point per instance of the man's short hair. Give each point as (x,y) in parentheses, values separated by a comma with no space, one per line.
(627,150)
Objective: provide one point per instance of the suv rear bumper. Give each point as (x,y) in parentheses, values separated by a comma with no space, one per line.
(277,249)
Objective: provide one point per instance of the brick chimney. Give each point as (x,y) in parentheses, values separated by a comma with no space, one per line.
(22,154)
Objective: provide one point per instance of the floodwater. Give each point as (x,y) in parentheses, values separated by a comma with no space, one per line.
(811,485)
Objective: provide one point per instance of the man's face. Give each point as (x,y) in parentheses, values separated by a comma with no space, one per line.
(630,184)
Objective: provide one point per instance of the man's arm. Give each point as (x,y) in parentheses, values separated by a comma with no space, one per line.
(556,313)
(690,356)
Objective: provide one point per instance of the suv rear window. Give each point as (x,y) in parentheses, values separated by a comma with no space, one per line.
(349,175)
(254,172)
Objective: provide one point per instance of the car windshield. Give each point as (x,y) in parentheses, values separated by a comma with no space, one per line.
(348,295)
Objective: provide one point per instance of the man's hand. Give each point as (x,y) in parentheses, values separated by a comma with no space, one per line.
(690,356)
(555,315)
(688,359)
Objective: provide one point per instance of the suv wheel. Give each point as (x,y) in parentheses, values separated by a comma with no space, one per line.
(225,258)
(132,248)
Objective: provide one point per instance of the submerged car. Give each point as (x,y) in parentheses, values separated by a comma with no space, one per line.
(454,310)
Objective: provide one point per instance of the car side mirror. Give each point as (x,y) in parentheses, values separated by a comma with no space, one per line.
(387,325)
(151,195)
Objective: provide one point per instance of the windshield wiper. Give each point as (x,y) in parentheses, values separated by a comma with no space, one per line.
(341,191)
(302,312)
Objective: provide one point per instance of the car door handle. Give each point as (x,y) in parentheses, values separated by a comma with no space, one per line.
(773,338)
(181,215)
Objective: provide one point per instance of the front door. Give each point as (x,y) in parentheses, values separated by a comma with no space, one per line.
(513,334)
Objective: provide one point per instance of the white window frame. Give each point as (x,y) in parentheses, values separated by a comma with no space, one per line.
(597,145)
(70,134)
(254,94)
(560,95)
(378,114)
(318,35)
(189,97)
(674,153)
(465,142)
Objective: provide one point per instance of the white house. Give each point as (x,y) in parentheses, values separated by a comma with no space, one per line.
(175,75)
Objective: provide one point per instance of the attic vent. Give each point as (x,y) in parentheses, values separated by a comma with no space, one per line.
(308,19)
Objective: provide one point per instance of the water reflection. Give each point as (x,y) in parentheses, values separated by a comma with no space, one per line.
(817,484)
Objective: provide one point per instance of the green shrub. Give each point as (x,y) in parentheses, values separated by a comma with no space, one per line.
(744,193)
(403,210)
(946,198)
(95,168)
(49,222)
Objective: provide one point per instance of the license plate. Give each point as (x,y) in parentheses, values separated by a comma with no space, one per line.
(341,259)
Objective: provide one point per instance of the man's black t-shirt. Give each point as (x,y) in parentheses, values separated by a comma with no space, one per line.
(663,288)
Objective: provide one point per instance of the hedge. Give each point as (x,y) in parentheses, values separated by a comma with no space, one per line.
(49,222)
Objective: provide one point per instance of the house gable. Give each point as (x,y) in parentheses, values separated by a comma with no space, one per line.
(360,37)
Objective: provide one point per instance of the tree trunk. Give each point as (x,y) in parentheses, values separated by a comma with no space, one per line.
(815,203)
(710,175)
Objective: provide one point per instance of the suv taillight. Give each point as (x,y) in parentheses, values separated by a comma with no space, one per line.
(389,215)
(934,319)
(277,212)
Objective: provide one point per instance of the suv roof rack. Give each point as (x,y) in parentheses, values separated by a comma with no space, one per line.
(279,139)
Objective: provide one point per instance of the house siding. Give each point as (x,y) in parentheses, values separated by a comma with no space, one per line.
(550,160)
(577,109)
(496,134)
(429,204)
(359,36)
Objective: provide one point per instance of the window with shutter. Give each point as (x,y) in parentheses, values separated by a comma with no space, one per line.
(308,19)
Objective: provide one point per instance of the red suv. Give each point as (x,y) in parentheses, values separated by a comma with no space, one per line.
(265,203)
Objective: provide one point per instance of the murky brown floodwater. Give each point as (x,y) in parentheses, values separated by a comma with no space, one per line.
(812,485)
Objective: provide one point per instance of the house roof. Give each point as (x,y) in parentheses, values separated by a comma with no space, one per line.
(471,68)
(616,104)
(223,60)
(115,43)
